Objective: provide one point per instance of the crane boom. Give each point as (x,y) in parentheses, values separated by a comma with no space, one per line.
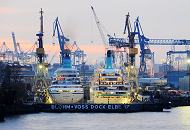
(78,54)
(178,52)
(15,46)
(123,42)
(61,38)
(100,28)
(14,42)
(144,43)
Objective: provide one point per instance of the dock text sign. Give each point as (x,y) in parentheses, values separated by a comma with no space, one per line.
(88,106)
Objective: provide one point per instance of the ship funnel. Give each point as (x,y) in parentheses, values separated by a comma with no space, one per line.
(109,59)
(67,59)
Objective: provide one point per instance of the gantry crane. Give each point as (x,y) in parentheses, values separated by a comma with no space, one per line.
(21,56)
(65,61)
(144,42)
(145,53)
(77,54)
(5,53)
(170,60)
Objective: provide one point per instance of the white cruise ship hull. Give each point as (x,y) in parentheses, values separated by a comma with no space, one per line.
(110,96)
(66,96)
(105,98)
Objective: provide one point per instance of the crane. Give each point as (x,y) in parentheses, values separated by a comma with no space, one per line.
(78,55)
(145,52)
(21,56)
(42,80)
(130,66)
(144,42)
(103,36)
(15,46)
(65,61)
(5,53)
(170,60)
(98,23)
(131,35)
(123,42)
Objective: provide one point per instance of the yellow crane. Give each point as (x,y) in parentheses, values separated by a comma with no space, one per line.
(42,79)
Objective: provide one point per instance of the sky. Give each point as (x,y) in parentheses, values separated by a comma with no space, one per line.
(159,19)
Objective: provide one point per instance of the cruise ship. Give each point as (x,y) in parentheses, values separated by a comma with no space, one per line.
(66,87)
(109,86)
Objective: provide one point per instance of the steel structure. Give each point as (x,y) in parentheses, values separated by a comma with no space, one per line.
(78,55)
(21,56)
(130,68)
(61,38)
(131,35)
(5,53)
(99,25)
(144,43)
(123,42)
(15,46)
(170,59)
(42,79)
(104,36)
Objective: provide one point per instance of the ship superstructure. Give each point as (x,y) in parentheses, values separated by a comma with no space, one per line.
(109,87)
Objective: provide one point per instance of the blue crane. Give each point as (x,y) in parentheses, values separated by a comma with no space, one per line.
(123,42)
(78,55)
(65,53)
(144,42)
(145,51)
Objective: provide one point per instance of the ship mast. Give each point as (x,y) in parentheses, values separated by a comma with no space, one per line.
(40,50)
(42,78)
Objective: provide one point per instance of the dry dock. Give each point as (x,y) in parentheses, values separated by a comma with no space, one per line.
(102,108)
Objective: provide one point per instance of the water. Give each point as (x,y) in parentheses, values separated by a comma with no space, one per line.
(174,119)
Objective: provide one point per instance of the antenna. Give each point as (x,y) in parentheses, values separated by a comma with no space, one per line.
(41,20)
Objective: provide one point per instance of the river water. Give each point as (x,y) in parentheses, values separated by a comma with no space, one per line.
(173,119)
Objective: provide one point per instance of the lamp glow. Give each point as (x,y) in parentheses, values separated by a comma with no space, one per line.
(188,61)
(40,66)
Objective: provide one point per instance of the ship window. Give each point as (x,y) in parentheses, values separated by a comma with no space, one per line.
(55,82)
(103,74)
(120,92)
(117,74)
(111,79)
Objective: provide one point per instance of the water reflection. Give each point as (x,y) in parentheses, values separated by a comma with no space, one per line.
(177,119)
(184,113)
